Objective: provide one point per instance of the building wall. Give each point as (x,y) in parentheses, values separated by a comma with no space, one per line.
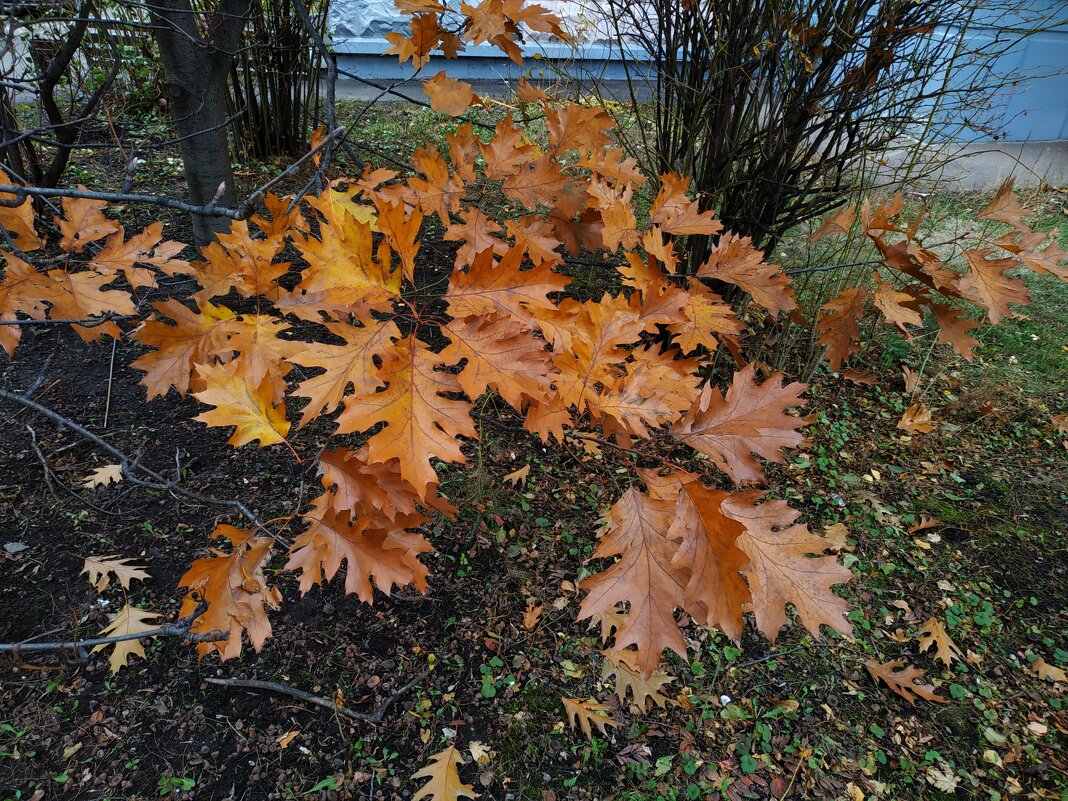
(1034,109)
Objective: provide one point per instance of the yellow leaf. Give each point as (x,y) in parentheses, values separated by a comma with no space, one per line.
(129,620)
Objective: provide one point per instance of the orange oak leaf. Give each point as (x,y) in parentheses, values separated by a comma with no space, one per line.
(916,420)
(401,230)
(425,31)
(736,261)
(449,96)
(1026,247)
(987,285)
(238,402)
(374,548)
(354,484)
(934,635)
(675,213)
(420,422)
(706,316)
(283,218)
(618,223)
(491,286)
(146,247)
(781,569)
(437,192)
(342,264)
(613,164)
(23,289)
(954,328)
(902,680)
(477,234)
(708,554)
(635,529)
(1006,208)
(577,127)
(839,324)
(835,223)
(238,262)
(255,339)
(585,715)
(507,152)
(750,419)
(895,305)
(463,150)
(194,339)
(351,364)
(18,221)
(500,355)
(534,236)
(526,92)
(83,221)
(236,590)
(541,183)
(80,295)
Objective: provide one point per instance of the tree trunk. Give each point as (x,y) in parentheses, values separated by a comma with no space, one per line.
(195,71)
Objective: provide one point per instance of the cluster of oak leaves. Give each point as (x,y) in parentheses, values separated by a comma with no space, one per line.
(403,355)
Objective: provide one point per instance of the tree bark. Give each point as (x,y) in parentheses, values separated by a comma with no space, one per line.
(195,72)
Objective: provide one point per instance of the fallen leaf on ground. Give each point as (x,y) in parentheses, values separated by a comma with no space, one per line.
(102,476)
(101,568)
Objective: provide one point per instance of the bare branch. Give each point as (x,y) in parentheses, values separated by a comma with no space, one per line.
(275,687)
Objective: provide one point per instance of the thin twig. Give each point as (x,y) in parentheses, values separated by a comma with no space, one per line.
(179,628)
(275,687)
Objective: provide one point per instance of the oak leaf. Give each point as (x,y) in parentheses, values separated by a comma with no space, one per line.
(750,419)
(443,780)
(1006,208)
(987,285)
(903,681)
(374,548)
(449,96)
(351,364)
(916,420)
(576,127)
(835,223)
(895,305)
(356,485)
(425,32)
(635,529)
(676,214)
(18,221)
(839,324)
(128,620)
(236,591)
(491,286)
(80,295)
(148,247)
(706,316)
(236,261)
(587,714)
(507,152)
(100,569)
(953,328)
(194,339)
(781,569)
(102,476)
(83,221)
(933,635)
(629,680)
(420,422)
(736,261)
(476,231)
(500,355)
(239,402)
(709,556)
